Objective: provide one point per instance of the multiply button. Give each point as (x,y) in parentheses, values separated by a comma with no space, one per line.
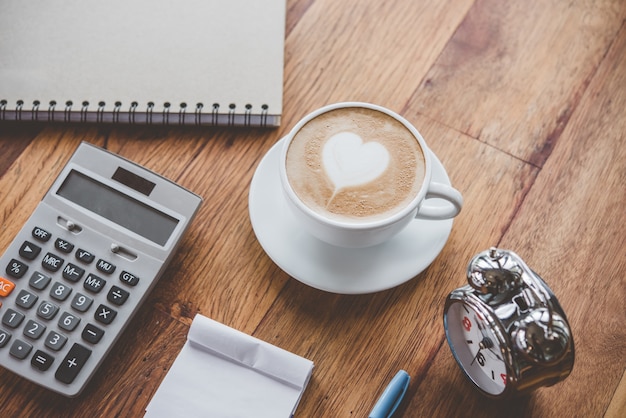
(72,364)
(104,314)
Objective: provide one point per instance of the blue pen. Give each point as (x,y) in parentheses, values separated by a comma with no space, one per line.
(391,397)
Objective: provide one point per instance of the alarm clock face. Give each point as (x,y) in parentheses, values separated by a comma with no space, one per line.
(476,347)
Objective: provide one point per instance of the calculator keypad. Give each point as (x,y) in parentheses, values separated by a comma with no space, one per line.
(79,268)
(57,302)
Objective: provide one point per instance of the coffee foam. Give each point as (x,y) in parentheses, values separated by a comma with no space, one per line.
(348,161)
(326,176)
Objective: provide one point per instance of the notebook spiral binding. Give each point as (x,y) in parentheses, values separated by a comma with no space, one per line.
(167,115)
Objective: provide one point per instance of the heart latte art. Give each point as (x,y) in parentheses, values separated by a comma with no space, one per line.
(349,162)
(355,164)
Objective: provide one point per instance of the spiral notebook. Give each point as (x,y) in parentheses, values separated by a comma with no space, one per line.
(204,62)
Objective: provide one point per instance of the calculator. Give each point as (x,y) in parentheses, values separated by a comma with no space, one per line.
(82,265)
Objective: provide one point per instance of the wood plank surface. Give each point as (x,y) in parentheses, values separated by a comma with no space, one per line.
(523,103)
(514,72)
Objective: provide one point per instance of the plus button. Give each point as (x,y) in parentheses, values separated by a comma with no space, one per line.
(72,363)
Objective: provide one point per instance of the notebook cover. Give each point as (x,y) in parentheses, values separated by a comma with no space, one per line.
(152,61)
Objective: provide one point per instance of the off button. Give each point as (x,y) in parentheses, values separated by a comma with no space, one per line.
(41,234)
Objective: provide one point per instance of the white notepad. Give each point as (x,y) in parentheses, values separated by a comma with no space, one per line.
(222,372)
(213,62)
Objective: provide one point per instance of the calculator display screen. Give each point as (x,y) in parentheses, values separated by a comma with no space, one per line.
(118,207)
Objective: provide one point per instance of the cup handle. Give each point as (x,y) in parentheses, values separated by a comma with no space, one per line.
(439,211)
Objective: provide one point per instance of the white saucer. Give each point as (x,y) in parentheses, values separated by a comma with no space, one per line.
(335,269)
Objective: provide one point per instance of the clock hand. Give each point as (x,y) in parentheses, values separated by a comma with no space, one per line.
(481,346)
(495,353)
(486,341)
(475,357)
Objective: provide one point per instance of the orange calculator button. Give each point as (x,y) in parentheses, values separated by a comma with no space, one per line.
(6,286)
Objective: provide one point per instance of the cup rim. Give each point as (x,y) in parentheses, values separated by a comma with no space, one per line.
(412,206)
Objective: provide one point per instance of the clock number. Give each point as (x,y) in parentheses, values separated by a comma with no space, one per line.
(503,377)
(480,358)
(467,324)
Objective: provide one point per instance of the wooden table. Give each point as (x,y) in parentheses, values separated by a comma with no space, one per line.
(523,102)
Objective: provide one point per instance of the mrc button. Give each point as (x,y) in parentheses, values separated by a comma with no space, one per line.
(52,262)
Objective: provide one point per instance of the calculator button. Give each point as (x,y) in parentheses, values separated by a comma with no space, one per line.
(63,246)
(104,314)
(51,262)
(92,333)
(47,310)
(25,299)
(105,266)
(20,349)
(6,287)
(94,283)
(72,363)
(72,272)
(68,322)
(60,291)
(117,295)
(29,250)
(81,302)
(12,318)
(85,256)
(5,336)
(34,329)
(39,281)
(55,341)
(41,360)
(41,234)
(129,278)
(16,268)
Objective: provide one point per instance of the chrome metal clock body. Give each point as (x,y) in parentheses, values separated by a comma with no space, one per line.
(506,328)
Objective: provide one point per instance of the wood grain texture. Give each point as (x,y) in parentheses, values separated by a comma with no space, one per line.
(514,72)
(523,102)
(13,141)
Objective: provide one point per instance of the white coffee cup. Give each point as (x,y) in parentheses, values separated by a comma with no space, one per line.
(355,174)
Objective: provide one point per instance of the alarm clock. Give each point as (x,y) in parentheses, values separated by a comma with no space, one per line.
(506,329)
